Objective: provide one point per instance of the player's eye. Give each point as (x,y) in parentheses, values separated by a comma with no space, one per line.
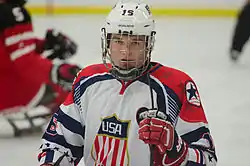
(136,42)
(118,41)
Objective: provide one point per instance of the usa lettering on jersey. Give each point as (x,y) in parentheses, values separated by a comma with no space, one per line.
(110,144)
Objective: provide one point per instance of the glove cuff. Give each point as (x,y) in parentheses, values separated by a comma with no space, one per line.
(64,75)
(180,157)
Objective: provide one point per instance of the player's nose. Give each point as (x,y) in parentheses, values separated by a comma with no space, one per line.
(126,52)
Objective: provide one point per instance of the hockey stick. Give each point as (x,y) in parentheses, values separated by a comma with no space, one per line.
(151,147)
(139,118)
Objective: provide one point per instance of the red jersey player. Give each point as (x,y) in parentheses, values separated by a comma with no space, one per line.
(27,78)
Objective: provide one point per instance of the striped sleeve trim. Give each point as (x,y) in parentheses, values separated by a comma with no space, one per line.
(196,156)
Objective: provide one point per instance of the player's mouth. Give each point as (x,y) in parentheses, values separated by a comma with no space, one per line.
(127,61)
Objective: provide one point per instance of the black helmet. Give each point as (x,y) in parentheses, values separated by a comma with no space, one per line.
(17,2)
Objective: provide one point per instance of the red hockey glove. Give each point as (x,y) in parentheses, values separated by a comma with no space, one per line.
(64,75)
(61,46)
(156,129)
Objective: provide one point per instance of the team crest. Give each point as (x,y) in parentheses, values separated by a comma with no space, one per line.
(192,94)
(51,129)
(110,144)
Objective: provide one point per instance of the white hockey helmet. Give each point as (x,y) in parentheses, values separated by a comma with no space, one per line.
(134,18)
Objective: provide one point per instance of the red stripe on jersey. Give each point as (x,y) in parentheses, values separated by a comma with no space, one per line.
(123,153)
(104,138)
(41,155)
(124,86)
(109,150)
(91,70)
(197,155)
(20,44)
(17,29)
(69,100)
(115,153)
(97,148)
(16,32)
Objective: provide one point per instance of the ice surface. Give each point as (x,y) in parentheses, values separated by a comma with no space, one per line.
(199,46)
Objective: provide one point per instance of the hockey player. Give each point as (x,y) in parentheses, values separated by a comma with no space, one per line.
(241,32)
(27,78)
(130,111)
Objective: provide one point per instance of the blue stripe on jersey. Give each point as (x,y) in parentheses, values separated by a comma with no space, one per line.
(70,123)
(191,163)
(194,135)
(60,140)
(161,103)
(201,154)
(174,103)
(79,88)
(169,90)
(204,149)
(197,134)
(49,156)
(79,82)
(156,68)
(174,96)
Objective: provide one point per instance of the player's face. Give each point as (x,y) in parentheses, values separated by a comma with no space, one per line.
(128,51)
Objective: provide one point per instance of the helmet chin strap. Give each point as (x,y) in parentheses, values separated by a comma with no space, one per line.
(125,75)
(131,74)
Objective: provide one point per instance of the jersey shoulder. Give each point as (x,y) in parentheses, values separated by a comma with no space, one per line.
(11,15)
(169,74)
(175,81)
(91,70)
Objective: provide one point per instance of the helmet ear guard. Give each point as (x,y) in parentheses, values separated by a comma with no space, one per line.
(132,19)
(152,42)
(104,45)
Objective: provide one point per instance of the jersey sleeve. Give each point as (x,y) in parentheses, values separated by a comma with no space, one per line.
(193,127)
(20,43)
(65,133)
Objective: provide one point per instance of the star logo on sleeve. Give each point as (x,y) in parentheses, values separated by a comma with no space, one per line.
(192,94)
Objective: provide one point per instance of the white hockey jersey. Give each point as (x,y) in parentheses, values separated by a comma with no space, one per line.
(97,122)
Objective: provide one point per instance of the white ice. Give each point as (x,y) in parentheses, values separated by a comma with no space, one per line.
(199,46)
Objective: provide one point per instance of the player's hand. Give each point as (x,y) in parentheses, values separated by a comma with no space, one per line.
(64,75)
(61,46)
(157,132)
(156,129)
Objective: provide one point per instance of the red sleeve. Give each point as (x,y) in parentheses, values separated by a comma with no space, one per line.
(192,124)
(186,90)
(192,110)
